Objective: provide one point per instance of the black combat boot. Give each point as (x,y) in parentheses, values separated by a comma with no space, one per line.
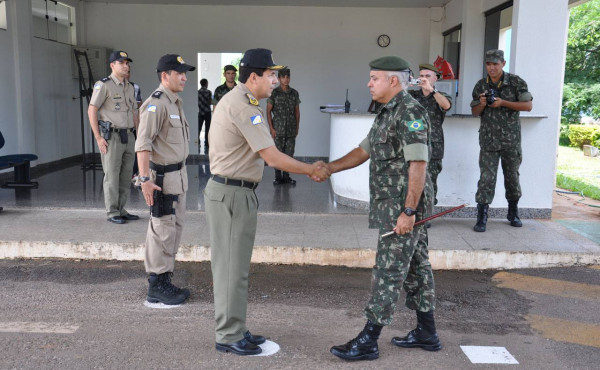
(513,214)
(363,347)
(160,290)
(168,277)
(424,336)
(287,179)
(278,178)
(482,216)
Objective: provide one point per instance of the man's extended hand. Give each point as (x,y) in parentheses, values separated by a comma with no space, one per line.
(404,224)
(148,188)
(320,171)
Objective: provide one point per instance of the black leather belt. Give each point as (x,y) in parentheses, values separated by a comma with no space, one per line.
(164,169)
(234,182)
(119,129)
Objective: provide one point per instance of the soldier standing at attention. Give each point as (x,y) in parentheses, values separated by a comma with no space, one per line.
(229,72)
(401,193)
(498,98)
(284,105)
(162,147)
(437,104)
(240,143)
(204,110)
(113,116)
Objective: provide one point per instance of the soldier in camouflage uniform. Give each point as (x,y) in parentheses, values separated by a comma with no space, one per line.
(400,193)
(498,99)
(436,103)
(284,106)
(229,72)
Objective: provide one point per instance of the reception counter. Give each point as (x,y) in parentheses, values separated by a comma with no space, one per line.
(458,181)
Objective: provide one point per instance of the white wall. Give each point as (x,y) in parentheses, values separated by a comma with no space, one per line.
(8,114)
(328,49)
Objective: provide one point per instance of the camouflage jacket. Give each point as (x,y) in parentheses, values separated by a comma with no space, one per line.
(221,90)
(399,134)
(501,127)
(284,111)
(204,100)
(436,118)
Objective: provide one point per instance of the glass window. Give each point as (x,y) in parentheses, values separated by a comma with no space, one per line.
(452,48)
(3,15)
(53,20)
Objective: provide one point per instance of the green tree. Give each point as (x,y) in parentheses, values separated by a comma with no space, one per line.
(581,93)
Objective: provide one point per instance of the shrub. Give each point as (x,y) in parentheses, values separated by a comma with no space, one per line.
(580,135)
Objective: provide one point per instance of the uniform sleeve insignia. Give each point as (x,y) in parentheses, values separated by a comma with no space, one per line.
(98,85)
(157,94)
(416,125)
(256,120)
(252,100)
(152,108)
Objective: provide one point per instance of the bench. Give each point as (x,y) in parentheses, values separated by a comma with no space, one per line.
(22,170)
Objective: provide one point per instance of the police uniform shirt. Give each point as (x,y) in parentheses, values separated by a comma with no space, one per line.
(164,131)
(238,131)
(115,101)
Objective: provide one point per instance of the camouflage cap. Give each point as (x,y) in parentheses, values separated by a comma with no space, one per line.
(430,67)
(389,63)
(494,56)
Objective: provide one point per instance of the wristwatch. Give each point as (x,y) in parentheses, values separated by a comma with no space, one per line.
(143,179)
(409,211)
(434,91)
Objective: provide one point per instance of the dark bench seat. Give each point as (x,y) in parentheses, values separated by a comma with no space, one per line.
(22,170)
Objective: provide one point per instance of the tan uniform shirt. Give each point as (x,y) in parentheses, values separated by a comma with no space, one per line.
(115,101)
(238,131)
(165,133)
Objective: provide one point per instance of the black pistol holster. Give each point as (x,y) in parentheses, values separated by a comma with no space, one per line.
(123,135)
(105,129)
(163,203)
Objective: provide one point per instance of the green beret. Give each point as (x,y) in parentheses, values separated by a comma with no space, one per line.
(431,68)
(389,64)
(494,56)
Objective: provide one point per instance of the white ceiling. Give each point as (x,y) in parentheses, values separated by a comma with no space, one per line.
(324,3)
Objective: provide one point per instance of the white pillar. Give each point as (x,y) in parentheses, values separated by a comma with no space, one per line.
(471,53)
(21,30)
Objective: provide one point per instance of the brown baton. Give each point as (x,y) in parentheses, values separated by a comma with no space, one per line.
(430,218)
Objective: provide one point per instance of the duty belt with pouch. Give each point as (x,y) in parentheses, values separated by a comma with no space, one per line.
(123,133)
(105,129)
(163,203)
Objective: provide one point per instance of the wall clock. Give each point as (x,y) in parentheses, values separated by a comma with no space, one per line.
(383,40)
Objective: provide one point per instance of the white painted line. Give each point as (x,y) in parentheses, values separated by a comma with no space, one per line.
(268,348)
(37,327)
(488,355)
(160,306)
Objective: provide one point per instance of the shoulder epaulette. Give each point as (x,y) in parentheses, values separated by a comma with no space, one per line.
(105,79)
(157,94)
(252,100)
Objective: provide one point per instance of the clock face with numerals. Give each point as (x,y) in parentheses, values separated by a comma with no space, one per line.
(383,40)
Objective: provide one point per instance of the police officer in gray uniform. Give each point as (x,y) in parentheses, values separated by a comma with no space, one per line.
(113,117)
(240,143)
(162,147)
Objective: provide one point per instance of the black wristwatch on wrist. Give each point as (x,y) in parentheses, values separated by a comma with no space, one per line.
(409,211)
(434,91)
(143,179)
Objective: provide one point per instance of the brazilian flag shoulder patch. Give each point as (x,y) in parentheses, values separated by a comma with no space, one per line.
(416,125)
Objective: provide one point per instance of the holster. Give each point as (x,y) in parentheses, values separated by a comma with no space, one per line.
(123,135)
(105,129)
(163,203)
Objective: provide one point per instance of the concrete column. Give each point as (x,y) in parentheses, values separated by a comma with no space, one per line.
(21,30)
(436,40)
(471,52)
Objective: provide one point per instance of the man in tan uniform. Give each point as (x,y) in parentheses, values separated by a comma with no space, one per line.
(240,143)
(114,109)
(162,147)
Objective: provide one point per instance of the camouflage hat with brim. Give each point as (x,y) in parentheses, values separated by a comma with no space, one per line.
(389,63)
(494,56)
(430,67)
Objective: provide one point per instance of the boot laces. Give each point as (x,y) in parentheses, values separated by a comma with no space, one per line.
(167,285)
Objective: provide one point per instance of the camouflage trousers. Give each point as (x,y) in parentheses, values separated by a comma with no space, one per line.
(488,166)
(434,167)
(285,145)
(402,261)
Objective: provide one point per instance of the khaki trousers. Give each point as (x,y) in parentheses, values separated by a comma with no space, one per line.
(162,239)
(231,215)
(117,164)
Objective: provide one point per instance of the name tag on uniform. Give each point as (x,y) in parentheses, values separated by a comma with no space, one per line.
(175,116)
(256,119)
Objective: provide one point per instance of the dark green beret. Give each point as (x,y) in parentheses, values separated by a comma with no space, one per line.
(430,67)
(389,64)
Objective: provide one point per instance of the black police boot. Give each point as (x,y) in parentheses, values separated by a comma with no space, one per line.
(424,336)
(513,214)
(168,277)
(363,347)
(242,347)
(482,216)
(254,339)
(278,178)
(161,291)
(287,179)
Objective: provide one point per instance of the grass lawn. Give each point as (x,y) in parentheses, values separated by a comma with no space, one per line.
(577,172)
